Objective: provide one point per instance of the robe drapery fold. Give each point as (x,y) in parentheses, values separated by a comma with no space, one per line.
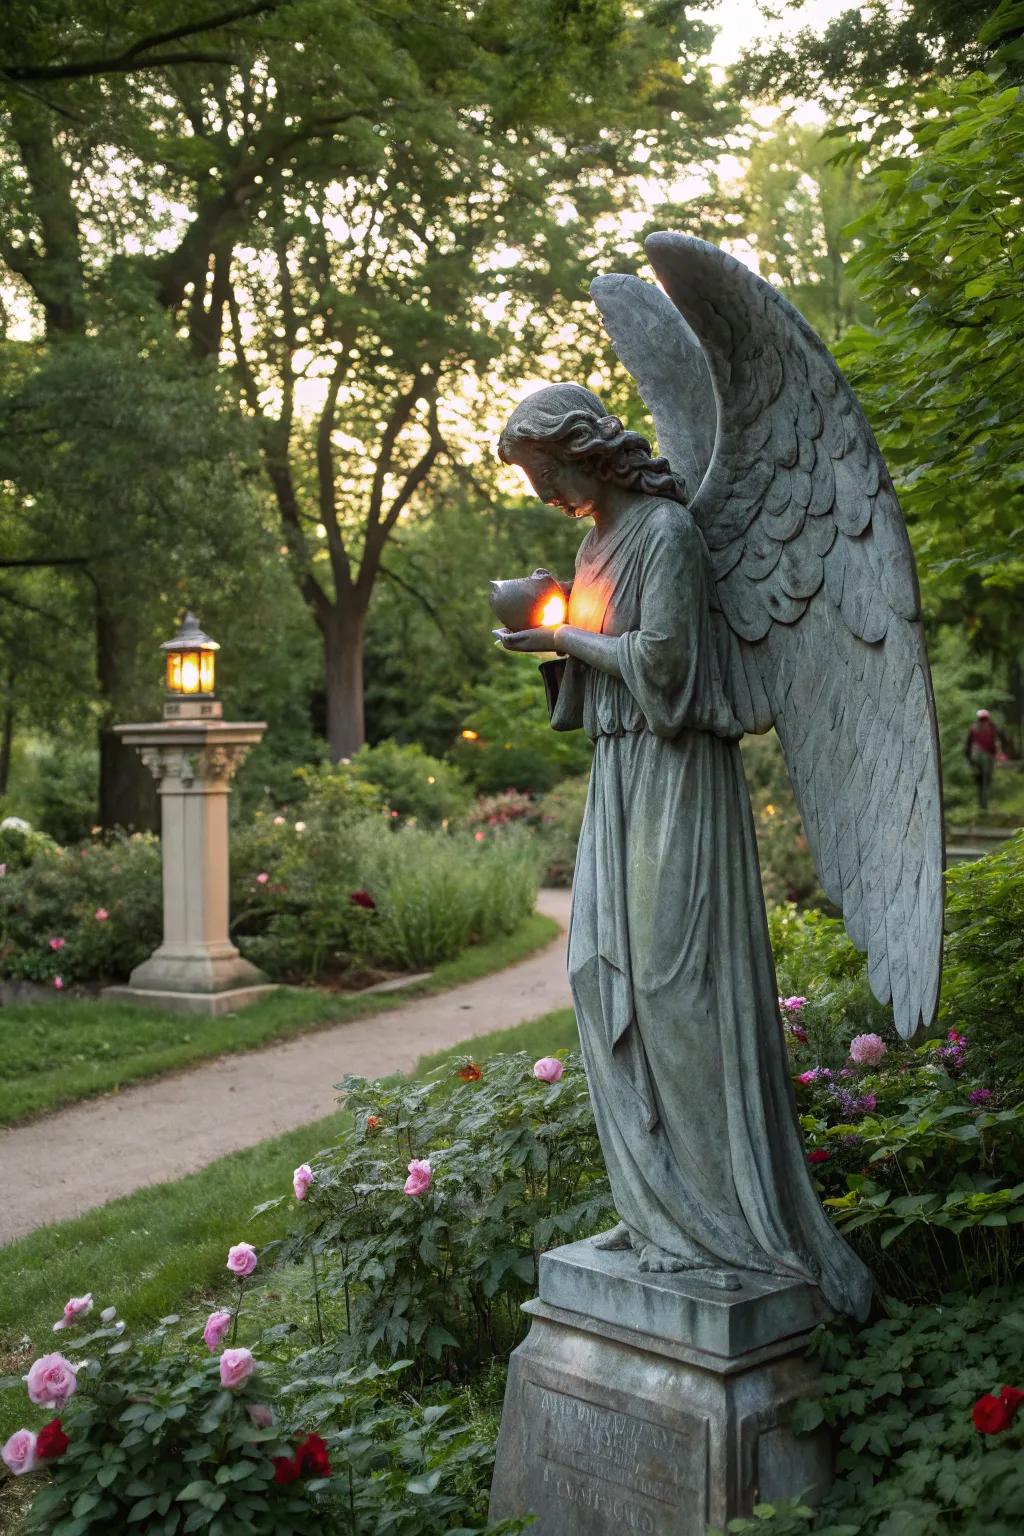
(669,956)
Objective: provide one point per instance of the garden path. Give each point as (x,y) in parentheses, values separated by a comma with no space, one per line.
(69,1162)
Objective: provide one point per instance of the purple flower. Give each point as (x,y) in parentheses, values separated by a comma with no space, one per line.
(979,1095)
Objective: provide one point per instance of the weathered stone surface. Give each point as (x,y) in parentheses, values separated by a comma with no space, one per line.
(607,1429)
(212,1005)
(679,1307)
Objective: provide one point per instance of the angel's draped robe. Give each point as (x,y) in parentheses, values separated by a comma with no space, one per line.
(669,957)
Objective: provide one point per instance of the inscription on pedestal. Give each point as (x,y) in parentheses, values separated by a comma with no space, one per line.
(616,1472)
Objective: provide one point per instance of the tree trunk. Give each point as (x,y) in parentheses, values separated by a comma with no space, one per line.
(127,793)
(343,667)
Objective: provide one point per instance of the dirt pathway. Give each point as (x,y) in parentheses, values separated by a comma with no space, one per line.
(81,1157)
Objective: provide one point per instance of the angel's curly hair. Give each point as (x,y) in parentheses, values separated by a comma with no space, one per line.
(568,421)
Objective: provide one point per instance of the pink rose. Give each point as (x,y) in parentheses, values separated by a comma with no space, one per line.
(279,821)
(420,1176)
(19,1453)
(77,1307)
(261,1414)
(57,943)
(242,1259)
(549,1069)
(867,1050)
(51,1381)
(236,1366)
(216,1330)
(58,982)
(302,1179)
(262,877)
(792,1004)
(479,836)
(101,914)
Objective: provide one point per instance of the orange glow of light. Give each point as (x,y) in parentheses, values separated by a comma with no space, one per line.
(471,735)
(553,612)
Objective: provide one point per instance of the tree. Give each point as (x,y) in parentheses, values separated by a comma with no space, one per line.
(942,373)
(139,179)
(800,193)
(867,53)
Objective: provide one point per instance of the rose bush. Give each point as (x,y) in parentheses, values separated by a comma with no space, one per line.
(275,1440)
(427,1220)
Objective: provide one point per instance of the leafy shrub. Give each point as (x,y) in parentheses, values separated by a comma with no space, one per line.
(899,1395)
(510,807)
(413,783)
(156,1443)
(56,788)
(561,818)
(515,1167)
(514,746)
(983,975)
(81,913)
(787,868)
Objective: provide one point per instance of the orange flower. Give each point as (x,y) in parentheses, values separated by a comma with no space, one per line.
(373,1123)
(470,1073)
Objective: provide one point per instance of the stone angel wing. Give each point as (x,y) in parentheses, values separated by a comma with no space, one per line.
(818,616)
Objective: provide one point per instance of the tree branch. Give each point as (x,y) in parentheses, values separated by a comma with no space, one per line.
(139,55)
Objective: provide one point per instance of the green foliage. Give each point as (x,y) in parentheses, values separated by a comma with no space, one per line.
(561,820)
(156,1442)
(963,682)
(50,910)
(787,868)
(983,975)
(413,783)
(440,1275)
(56,788)
(899,1394)
(941,376)
(515,747)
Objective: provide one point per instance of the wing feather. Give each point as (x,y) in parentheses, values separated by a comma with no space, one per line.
(818,624)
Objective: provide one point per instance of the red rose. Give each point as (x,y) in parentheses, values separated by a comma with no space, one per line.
(311,1455)
(991,1415)
(363,899)
(470,1073)
(1012,1397)
(286,1469)
(819,1155)
(51,1441)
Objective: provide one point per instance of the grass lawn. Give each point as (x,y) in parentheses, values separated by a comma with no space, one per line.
(55,1053)
(163,1249)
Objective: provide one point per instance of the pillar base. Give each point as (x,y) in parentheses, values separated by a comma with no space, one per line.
(218,968)
(653,1403)
(210,1004)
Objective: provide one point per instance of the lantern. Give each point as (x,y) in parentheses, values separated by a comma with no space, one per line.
(191,669)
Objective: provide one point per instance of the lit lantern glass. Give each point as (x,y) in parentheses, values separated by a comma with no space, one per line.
(191,664)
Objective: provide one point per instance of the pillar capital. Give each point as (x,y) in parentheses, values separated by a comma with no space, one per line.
(192,755)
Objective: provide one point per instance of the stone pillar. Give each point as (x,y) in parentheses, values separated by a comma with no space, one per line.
(654,1403)
(196,969)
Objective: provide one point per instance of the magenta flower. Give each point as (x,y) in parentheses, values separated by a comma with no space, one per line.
(548,1069)
(979,1095)
(302,1179)
(19,1454)
(815,1075)
(867,1050)
(57,943)
(218,1325)
(76,1307)
(867,1103)
(262,877)
(51,1380)
(58,982)
(236,1366)
(241,1260)
(101,914)
(792,1004)
(420,1176)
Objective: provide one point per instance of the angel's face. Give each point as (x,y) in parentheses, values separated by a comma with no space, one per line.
(559,482)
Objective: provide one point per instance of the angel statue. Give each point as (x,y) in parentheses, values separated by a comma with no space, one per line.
(757,574)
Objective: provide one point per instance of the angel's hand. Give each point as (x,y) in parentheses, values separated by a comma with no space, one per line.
(526,639)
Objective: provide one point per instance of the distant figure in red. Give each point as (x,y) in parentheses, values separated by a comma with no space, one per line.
(983,747)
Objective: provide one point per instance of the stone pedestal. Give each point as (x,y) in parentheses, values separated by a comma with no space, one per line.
(196,969)
(654,1403)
